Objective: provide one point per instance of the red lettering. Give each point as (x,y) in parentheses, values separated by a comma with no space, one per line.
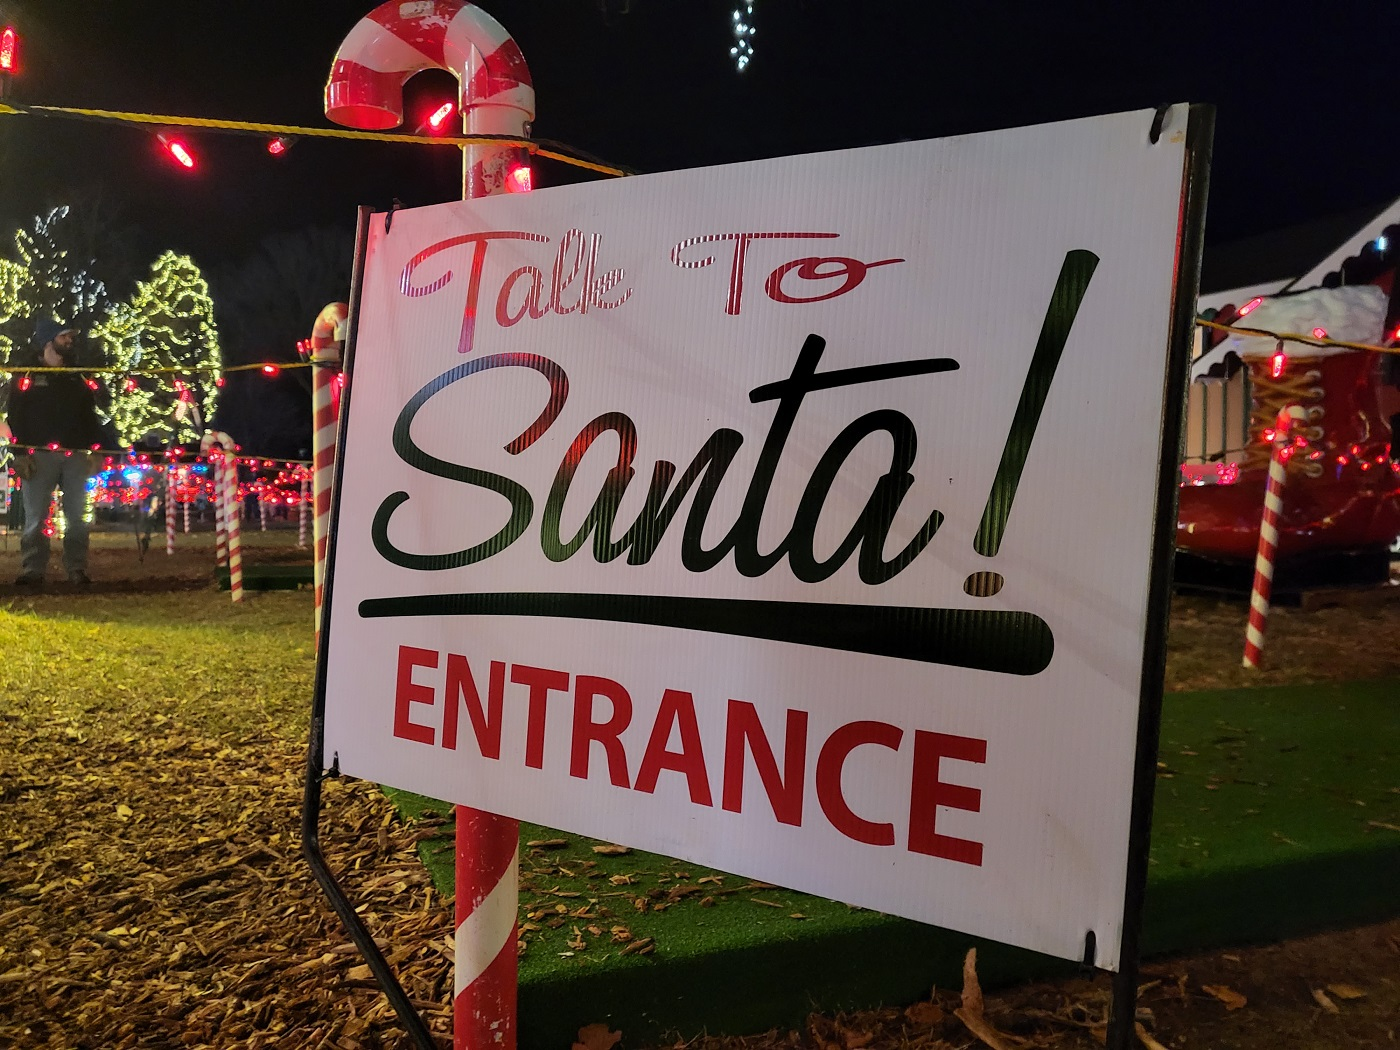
(829,765)
(406,692)
(603,285)
(479,242)
(486,724)
(587,731)
(540,682)
(742,727)
(734,303)
(852,270)
(677,710)
(560,282)
(928,793)
(504,317)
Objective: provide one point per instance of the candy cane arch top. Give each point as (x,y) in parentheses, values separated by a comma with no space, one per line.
(397,40)
(388,46)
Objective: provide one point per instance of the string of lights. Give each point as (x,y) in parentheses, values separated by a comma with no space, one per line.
(742,51)
(539,147)
(1317,337)
(170,455)
(270,368)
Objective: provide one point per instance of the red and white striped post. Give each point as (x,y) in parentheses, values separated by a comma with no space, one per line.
(233,513)
(1262,590)
(496,97)
(305,496)
(223,471)
(215,460)
(327,337)
(170,508)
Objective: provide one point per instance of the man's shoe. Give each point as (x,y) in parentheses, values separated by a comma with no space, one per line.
(30,579)
(80,579)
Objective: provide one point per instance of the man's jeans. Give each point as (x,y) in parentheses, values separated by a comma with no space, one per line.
(54,470)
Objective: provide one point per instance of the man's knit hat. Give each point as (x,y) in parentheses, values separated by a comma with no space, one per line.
(47,330)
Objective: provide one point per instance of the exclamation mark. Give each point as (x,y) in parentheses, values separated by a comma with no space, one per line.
(1070,286)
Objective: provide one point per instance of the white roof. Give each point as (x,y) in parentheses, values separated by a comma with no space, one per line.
(1353,313)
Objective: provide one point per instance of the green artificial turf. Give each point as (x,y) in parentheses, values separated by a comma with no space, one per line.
(269,577)
(1276,814)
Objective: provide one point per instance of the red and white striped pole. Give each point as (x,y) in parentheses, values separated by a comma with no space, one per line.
(496,98)
(327,337)
(215,461)
(232,516)
(1262,590)
(484,976)
(170,508)
(223,472)
(305,493)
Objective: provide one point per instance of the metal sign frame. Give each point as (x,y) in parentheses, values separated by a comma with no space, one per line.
(1121,1031)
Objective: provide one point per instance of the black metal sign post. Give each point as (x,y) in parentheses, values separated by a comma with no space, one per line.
(1200,132)
(316,768)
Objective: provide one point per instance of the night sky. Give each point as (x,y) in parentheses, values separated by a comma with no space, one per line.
(1307,122)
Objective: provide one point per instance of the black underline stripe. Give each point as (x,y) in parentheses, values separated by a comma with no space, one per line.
(1005,642)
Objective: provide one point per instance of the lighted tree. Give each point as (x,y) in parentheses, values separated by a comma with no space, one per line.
(52,274)
(13,309)
(167,325)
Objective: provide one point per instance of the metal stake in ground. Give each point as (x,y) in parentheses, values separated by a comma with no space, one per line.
(1268,538)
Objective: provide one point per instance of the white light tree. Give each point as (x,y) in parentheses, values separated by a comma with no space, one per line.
(167,325)
(51,275)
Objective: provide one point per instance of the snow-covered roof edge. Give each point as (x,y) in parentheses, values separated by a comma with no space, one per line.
(1353,244)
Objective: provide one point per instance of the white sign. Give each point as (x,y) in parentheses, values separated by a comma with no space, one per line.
(741,514)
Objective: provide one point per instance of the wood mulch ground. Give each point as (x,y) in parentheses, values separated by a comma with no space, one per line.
(153,894)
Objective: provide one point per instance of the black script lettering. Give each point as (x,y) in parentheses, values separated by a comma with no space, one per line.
(874,522)
(705,474)
(872,527)
(521,504)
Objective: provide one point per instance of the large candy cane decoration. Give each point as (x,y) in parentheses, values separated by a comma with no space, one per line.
(327,338)
(1262,591)
(225,475)
(395,41)
(170,508)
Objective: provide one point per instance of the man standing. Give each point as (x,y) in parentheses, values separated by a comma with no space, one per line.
(53,419)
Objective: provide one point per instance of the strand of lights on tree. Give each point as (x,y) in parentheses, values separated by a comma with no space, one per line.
(742,51)
(167,324)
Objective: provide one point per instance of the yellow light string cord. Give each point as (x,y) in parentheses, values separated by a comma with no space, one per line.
(1297,337)
(148,459)
(258,366)
(247,127)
